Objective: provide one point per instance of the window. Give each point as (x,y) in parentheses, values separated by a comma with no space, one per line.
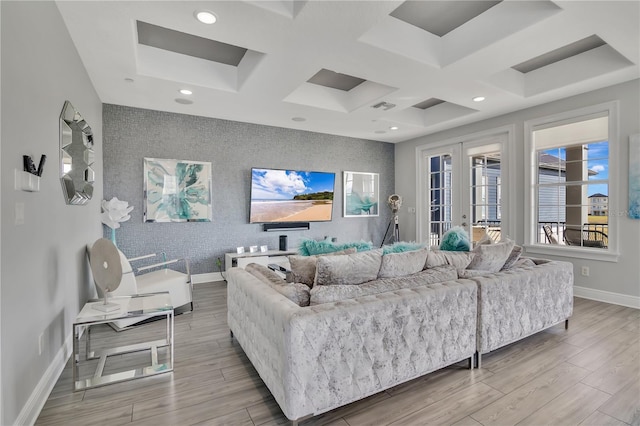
(569,184)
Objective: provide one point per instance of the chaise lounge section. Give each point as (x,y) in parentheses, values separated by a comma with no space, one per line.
(314,359)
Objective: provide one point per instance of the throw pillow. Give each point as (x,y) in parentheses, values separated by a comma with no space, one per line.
(486,239)
(513,258)
(403,263)
(524,262)
(296,292)
(455,239)
(458,259)
(400,247)
(491,257)
(348,269)
(303,268)
(313,247)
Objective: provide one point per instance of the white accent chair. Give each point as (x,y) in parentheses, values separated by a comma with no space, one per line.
(161,278)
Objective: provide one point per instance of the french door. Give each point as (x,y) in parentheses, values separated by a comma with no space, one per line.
(461,184)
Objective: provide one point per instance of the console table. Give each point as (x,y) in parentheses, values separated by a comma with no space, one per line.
(141,305)
(240,260)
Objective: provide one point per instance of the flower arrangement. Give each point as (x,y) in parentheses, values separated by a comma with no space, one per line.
(115,211)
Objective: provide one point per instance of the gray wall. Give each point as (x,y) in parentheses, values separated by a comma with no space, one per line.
(233,148)
(44,277)
(622,277)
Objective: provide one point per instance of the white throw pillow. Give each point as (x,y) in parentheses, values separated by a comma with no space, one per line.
(491,257)
(458,259)
(403,263)
(348,269)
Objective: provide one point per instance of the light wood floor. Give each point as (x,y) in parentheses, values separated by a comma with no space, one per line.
(588,375)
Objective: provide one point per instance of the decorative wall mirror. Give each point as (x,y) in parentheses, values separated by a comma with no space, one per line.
(76,156)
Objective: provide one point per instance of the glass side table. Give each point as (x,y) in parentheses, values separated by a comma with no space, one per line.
(141,305)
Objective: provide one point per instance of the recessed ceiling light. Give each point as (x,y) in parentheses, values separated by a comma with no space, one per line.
(394,128)
(299,119)
(479,99)
(205,16)
(184,101)
(186,92)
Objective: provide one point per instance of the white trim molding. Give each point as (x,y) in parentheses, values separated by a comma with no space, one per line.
(31,410)
(607,297)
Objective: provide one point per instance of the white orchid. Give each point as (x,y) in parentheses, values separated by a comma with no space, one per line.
(115,211)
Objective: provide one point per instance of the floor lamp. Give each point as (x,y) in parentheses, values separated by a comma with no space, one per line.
(394,202)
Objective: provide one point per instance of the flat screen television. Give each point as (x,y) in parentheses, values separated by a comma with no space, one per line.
(285,196)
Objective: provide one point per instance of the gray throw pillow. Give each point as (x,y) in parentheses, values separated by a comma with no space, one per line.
(513,258)
(348,269)
(303,268)
(458,259)
(524,262)
(296,292)
(403,263)
(491,257)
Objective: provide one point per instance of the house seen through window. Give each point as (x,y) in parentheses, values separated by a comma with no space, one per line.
(572,184)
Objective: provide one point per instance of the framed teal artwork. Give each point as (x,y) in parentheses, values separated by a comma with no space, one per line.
(361,194)
(177,190)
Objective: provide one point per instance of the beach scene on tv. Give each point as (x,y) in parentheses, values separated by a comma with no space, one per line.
(291,196)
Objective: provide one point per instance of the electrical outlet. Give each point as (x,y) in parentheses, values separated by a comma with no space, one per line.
(40,343)
(585,271)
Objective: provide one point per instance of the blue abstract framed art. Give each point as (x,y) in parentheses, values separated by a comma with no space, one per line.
(177,190)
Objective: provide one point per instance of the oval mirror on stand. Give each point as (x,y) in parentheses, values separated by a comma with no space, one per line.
(76,156)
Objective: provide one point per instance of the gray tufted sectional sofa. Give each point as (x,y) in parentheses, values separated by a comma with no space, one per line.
(322,356)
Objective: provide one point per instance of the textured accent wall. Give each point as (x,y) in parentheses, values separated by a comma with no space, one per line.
(233,148)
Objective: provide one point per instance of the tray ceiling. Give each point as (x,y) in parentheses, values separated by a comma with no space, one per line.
(353,68)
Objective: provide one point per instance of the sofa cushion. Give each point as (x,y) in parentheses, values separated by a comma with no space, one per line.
(332,293)
(348,269)
(403,263)
(303,268)
(458,259)
(296,292)
(311,247)
(491,257)
(471,273)
(513,258)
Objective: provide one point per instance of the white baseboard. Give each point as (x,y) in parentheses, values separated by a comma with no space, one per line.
(31,410)
(607,296)
(206,278)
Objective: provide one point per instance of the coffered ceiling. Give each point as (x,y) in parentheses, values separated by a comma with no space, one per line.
(380,70)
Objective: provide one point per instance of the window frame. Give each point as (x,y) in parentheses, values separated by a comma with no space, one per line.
(611,253)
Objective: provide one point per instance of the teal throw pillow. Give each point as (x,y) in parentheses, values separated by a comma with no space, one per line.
(313,247)
(455,239)
(401,247)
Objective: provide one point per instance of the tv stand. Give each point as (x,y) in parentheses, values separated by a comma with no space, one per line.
(240,260)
